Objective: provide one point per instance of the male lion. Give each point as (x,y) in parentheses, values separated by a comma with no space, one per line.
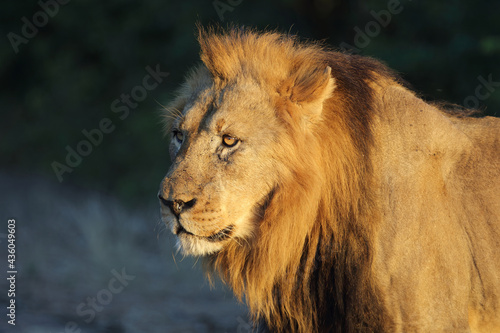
(331,197)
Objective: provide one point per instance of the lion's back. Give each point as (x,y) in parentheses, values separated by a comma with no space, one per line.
(439,199)
(478,208)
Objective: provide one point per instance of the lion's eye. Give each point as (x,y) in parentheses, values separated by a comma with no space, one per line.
(178,135)
(229,141)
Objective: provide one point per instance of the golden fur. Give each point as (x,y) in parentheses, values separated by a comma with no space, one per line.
(348,203)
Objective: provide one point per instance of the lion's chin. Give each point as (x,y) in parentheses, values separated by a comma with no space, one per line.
(194,246)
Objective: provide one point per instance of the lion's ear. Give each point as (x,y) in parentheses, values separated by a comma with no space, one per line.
(309,88)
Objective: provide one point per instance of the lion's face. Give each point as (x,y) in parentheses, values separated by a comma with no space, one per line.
(223,166)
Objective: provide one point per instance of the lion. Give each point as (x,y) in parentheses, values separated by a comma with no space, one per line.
(328,195)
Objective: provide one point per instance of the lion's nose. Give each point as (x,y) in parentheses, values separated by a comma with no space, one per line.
(177,206)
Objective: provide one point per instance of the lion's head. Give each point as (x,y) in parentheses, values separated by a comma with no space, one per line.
(232,138)
(224,164)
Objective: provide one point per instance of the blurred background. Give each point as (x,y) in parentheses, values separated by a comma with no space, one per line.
(82,151)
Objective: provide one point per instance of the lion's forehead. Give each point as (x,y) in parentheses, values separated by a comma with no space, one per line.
(196,109)
(237,106)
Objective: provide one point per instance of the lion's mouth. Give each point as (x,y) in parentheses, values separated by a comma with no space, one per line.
(221,235)
(216,237)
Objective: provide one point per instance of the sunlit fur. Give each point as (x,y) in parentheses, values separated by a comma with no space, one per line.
(369,182)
